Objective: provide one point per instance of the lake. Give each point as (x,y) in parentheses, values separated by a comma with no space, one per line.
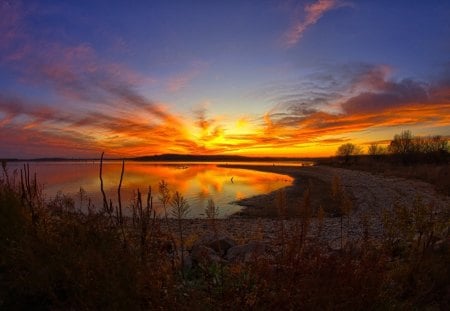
(197,182)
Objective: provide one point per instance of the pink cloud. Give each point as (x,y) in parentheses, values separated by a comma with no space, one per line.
(313,12)
(76,72)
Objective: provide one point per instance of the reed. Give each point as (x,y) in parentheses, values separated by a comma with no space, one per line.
(180,210)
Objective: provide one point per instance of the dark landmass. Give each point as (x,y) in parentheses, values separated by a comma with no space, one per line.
(174,158)
(53,160)
(216,158)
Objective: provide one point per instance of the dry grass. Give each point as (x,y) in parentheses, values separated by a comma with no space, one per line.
(436,174)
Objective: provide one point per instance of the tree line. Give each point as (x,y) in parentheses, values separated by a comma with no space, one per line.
(404,147)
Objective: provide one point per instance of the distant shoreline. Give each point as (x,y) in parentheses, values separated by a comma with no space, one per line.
(173,158)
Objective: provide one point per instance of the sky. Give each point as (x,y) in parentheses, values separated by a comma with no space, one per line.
(257,78)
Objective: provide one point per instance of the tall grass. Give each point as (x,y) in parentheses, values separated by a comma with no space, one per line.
(53,256)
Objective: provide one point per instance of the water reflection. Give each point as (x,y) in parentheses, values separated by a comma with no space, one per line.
(198,182)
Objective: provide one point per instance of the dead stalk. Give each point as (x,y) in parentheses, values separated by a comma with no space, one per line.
(105,201)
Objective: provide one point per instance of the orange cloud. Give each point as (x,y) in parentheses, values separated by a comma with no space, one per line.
(140,131)
(369,101)
(143,127)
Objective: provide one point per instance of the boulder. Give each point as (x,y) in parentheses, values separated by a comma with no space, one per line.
(187,260)
(220,243)
(441,245)
(204,256)
(445,233)
(247,252)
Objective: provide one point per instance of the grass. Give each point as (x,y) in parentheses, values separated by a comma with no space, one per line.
(53,256)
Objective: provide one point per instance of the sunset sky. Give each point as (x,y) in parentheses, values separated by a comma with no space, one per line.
(281,77)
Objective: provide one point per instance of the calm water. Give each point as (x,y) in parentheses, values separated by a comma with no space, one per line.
(197,182)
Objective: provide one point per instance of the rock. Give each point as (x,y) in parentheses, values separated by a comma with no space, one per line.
(187,260)
(247,252)
(445,233)
(204,256)
(440,245)
(354,249)
(220,243)
(336,244)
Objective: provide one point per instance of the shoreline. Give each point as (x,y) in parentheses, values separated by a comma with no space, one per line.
(304,177)
(370,194)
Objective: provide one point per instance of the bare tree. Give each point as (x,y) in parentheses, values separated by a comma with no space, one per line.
(347,150)
(412,149)
(376,150)
(402,143)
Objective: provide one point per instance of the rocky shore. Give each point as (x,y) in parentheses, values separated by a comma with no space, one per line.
(370,194)
(266,230)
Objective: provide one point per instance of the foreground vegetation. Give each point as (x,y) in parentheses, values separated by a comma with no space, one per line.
(58,254)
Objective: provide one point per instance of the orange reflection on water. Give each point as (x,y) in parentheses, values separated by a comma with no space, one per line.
(198,182)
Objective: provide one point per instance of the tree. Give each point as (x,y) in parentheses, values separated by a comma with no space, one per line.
(433,149)
(347,150)
(437,144)
(402,143)
(376,150)
(411,149)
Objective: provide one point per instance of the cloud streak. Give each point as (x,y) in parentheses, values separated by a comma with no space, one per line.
(355,99)
(365,99)
(363,104)
(313,12)
(118,133)
(97,103)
